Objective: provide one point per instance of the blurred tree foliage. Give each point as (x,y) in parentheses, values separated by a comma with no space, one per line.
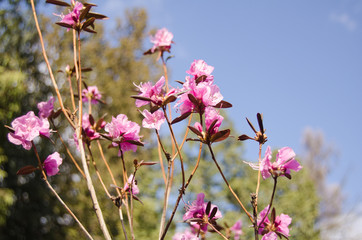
(29,211)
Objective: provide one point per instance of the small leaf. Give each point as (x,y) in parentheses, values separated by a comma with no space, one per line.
(182,83)
(64,24)
(213,212)
(208,208)
(220,136)
(91,119)
(260,122)
(97,15)
(26,170)
(194,130)
(135,142)
(84,12)
(57,113)
(223,104)
(169,99)
(180,118)
(212,126)
(193,99)
(136,198)
(148,163)
(86,69)
(272,216)
(287,175)
(200,79)
(89,22)
(89,30)
(141,98)
(251,125)
(244,137)
(154,108)
(148,52)
(193,139)
(59,3)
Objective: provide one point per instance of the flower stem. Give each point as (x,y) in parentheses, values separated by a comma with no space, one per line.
(48,66)
(227,183)
(56,194)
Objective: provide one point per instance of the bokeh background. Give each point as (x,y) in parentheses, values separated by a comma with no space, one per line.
(299,63)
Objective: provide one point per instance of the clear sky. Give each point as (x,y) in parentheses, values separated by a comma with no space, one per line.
(297,62)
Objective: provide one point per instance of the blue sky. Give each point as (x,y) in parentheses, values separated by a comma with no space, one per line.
(297,62)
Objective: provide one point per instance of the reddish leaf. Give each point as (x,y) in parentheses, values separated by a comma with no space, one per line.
(223,104)
(97,15)
(244,137)
(89,22)
(148,163)
(200,79)
(194,130)
(84,12)
(220,136)
(154,108)
(169,99)
(135,142)
(59,3)
(180,118)
(26,170)
(64,24)
(141,98)
(89,30)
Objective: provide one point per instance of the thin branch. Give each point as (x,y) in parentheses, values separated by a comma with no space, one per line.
(48,66)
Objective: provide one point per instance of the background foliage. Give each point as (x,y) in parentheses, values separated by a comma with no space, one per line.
(29,211)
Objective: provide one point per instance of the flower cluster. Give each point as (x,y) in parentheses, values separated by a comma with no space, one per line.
(199,213)
(125,133)
(277,226)
(162,40)
(91,93)
(281,167)
(72,17)
(27,128)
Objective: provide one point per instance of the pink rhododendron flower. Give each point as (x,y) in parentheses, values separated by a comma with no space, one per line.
(284,163)
(92,93)
(186,235)
(163,38)
(270,229)
(198,210)
(199,68)
(207,94)
(236,230)
(28,127)
(89,130)
(153,120)
(120,127)
(52,163)
(46,108)
(211,114)
(135,189)
(72,18)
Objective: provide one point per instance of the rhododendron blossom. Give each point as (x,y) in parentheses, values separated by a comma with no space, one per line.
(129,182)
(206,93)
(72,17)
(269,229)
(26,128)
(186,235)
(284,163)
(52,163)
(198,210)
(236,230)
(46,108)
(91,92)
(163,38)
(122,129)
(153,120)
(199,68)
(211,114)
